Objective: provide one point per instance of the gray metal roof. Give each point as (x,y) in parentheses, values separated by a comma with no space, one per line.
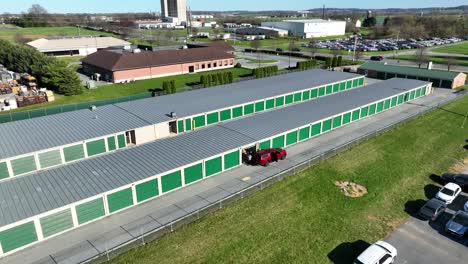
(26,136)
(43,191)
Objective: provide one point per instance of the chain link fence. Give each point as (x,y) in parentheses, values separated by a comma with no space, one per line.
(157,233)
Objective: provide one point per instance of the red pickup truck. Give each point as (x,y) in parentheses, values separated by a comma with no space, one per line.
(266,156)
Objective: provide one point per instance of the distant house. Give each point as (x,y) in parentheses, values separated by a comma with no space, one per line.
(120,66)
(81,46)
(439,78)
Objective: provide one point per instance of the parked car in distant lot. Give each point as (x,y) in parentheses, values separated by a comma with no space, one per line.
(380,252)
(449,193)
(460,179)
(432,209)
(465,207)
(265,157)
(458,225)
(377,58)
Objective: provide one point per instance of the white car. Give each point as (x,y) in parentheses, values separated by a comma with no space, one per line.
(380,252)
(449,192)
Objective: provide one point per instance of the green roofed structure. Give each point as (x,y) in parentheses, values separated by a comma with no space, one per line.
(439,78)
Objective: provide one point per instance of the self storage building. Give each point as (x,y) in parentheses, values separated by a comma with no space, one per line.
(439,78)
(69,137)
(54,201)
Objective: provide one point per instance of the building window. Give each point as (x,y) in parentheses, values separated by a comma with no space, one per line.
(209,65)
(232,62)
(225,63)
(203,66)
(215,65)
(197,66)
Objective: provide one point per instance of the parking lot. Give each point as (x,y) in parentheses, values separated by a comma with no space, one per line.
(419,241)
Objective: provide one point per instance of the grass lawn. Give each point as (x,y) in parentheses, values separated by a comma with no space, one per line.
(305,217)
(257,61)
(461,48)
(437,59)
(120,90)
(39,32)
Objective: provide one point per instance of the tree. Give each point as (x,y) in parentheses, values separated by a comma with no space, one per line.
(421,56)
(256,45)
(339,61)
(369,22)
(37,16)
(173,87)
(166,88)
(334,62)
(62,79)
(450,61)
(328,62)
(313,48)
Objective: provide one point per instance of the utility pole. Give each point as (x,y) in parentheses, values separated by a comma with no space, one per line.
(397,39)
(354,49)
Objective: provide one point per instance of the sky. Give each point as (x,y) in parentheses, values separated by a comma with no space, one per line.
(122,6)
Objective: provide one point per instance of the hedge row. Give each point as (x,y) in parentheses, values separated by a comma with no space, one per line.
(306,65)
(214,79)
(169,87)
(265,71)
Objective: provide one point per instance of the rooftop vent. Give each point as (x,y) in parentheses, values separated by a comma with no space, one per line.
(173,114)
(93,108)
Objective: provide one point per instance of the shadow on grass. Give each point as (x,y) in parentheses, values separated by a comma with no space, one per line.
(452,112)
(431,190)
(412,208)
(346,252)
(437,179)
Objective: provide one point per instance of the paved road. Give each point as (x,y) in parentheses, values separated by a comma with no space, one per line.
(95,238)
(283,61)
(421,242)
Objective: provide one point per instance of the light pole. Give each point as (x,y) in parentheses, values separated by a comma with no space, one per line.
(354,49)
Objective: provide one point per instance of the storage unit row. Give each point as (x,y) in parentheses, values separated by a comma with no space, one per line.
(46,158)
(67,197)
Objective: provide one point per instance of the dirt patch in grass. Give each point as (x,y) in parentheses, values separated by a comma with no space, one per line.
(351,189)
(460,166)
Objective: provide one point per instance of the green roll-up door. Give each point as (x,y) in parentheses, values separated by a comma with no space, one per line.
(237,112)
(23,165)
(289,99)
(231,160)
(361,81)
(171,181)
(297,97)
(111,146)
(121,141)
(346,118)
(270,103)
(265,144)
(180,126)
(314,93)
(412,95)
(73,153)
(349,84)
(418,93)
(213,166)
(4,170)
(259,106)
(387,104)
(356,114)
(212,118)
(89,211)
(225,115)
(199,121)
(364,112)
(193,173)
(423,90)
(400,99)
(326,125)
(336,87)
(355,82)
(380,107)
(306,95)
(321,91)
(329,89)
(278,142)
(50,158)
(188,124)
(120,200)
(146,190)
(304,133)
(248,109)
(18,236)
(316,129)
(56,223)
(406,97)
(279,101)
(96,147)
(372,109)
(342,86)
(291,138)
(394,101)
(337,121)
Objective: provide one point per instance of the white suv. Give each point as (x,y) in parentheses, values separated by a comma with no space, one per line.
(449,192)
(380,252)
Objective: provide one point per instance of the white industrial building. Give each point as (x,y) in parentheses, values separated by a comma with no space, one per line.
(81,46)
(312,28)
(174,9)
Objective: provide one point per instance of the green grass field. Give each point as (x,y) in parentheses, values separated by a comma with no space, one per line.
(120,90)
(39,32)
(305,218)
(461,48)
(257,61)
(437,59)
